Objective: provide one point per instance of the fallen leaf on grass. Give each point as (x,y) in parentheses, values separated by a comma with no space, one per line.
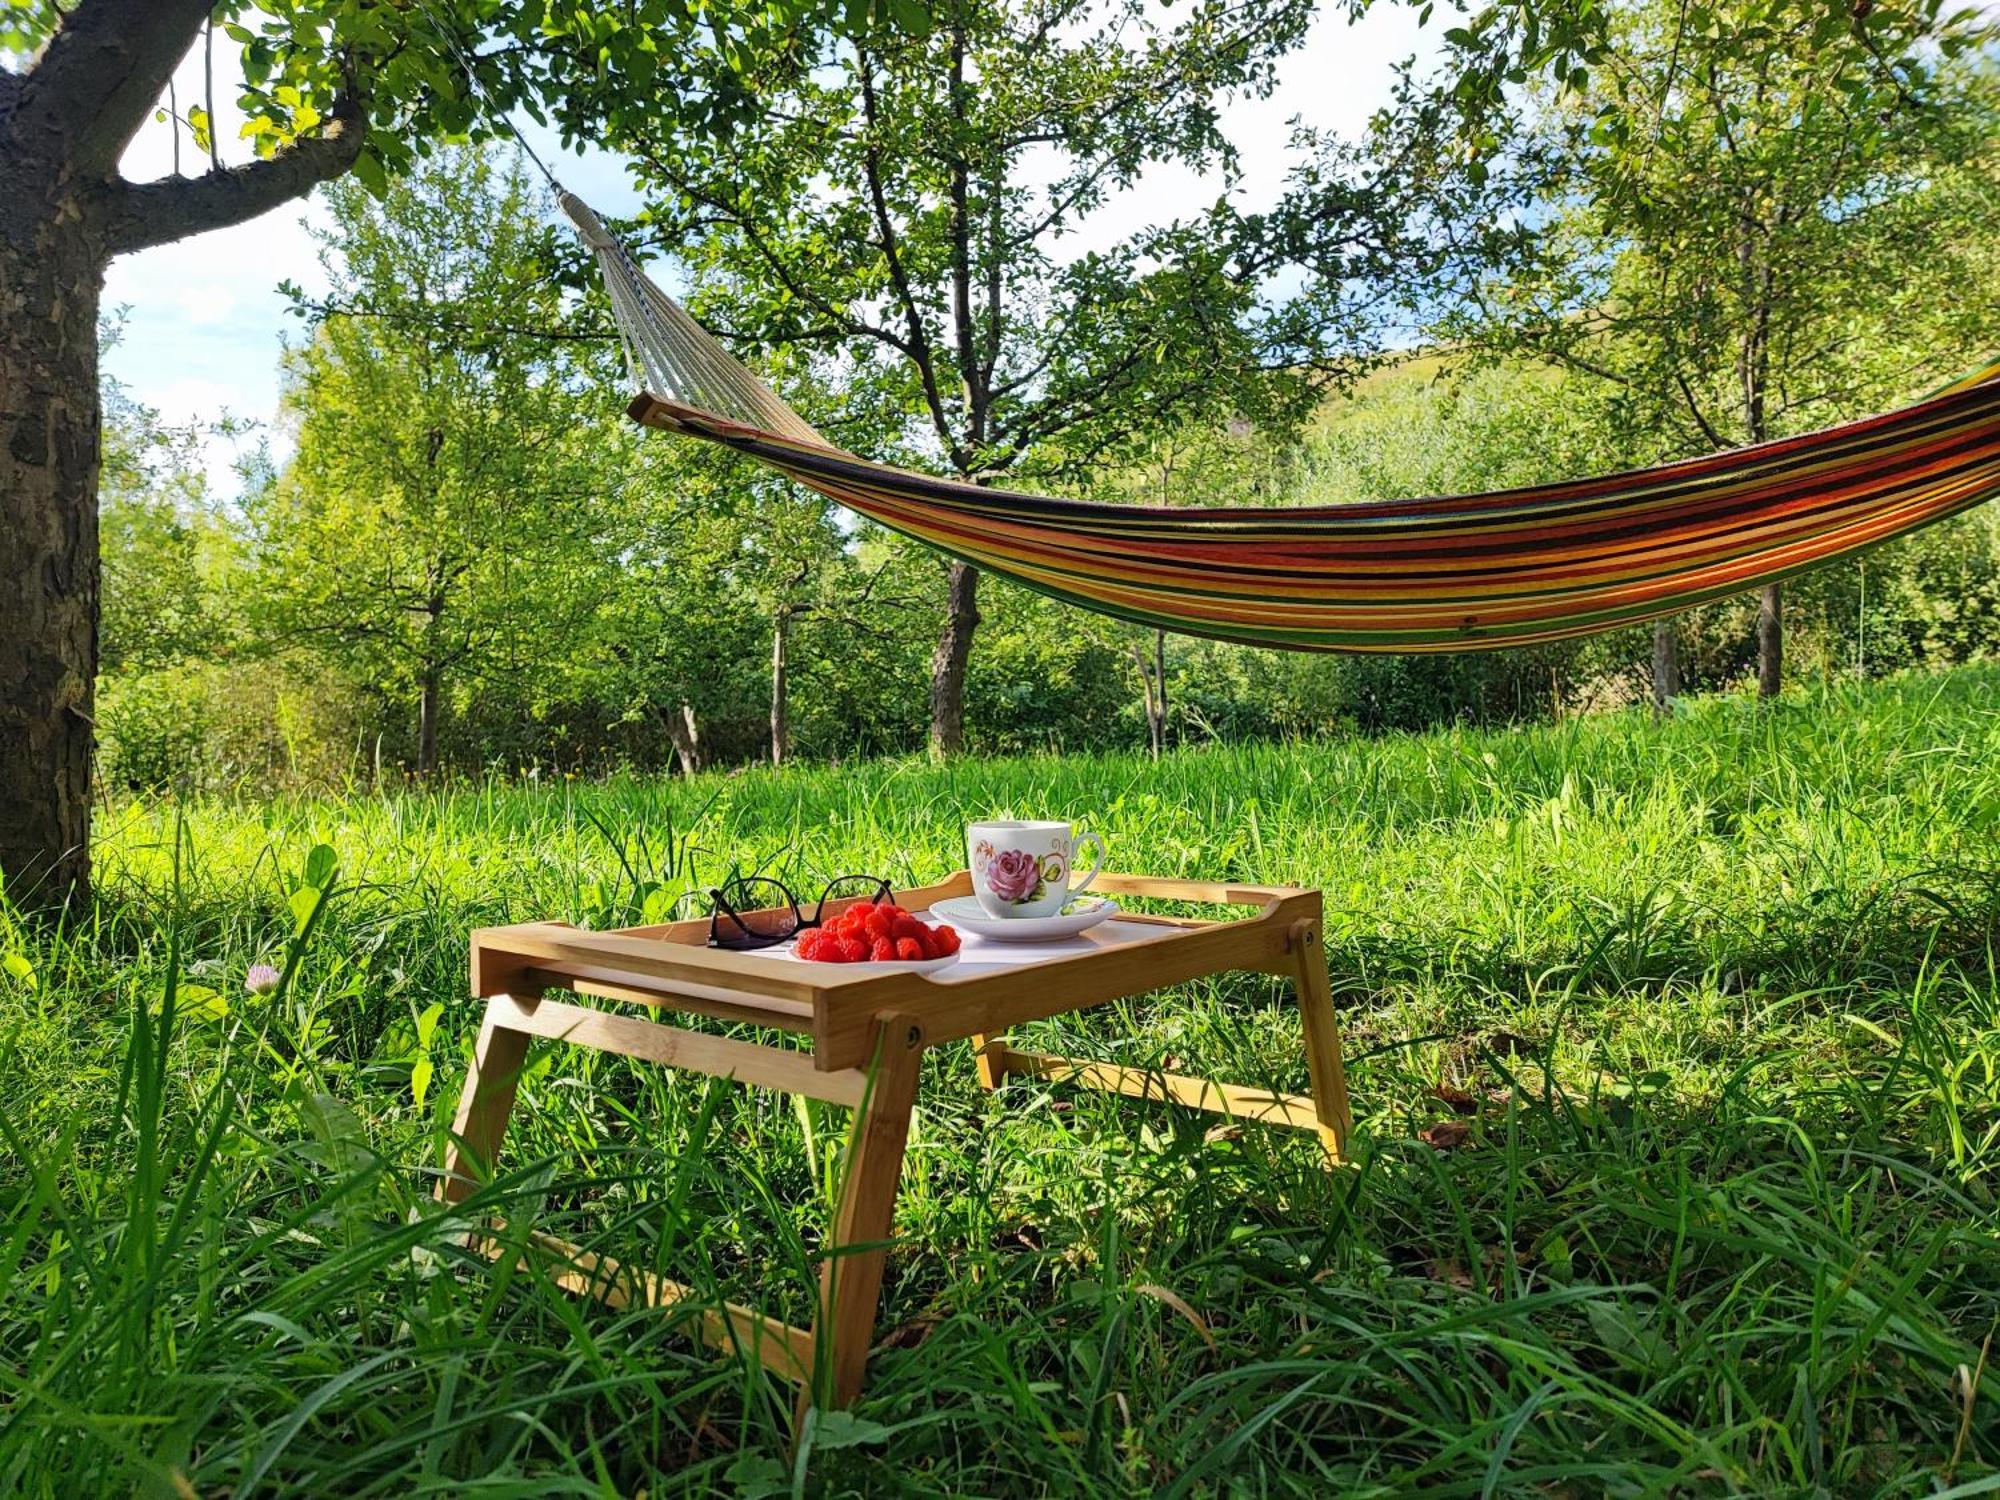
(1027,1236)
(1178,1304)
(1458,1100)
(1509,1045)
(1451,1273)
(1446,1135)
(909,1335)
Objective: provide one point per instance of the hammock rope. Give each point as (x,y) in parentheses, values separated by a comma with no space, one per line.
(1457,573)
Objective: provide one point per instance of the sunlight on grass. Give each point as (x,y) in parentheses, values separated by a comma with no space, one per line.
(1716,999)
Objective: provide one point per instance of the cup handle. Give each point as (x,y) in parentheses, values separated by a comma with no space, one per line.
(1078,887)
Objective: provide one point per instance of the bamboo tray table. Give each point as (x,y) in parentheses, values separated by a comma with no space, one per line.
(867,1034)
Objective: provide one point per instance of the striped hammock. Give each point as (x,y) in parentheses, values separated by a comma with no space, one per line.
(1461,573)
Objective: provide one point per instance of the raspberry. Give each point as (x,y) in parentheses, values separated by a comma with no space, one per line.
(810,944)
(907,925)
(946,940)
(879,923)
(909,949)
(852,950)
(883,951)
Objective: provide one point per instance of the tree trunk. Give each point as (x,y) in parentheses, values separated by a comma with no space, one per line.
(781,729)
(428,700)
(954,649)
(1666,668)
(51,273)
(64,212)
(1160,693)
(1770,640)
(1153,691)
(686,737)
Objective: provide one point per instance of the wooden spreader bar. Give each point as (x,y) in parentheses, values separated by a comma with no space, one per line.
(857,1040)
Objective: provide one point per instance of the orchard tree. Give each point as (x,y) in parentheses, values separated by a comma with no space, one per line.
(445,510)
(330,86)
(171,550)
(899,207)
(1746,218)
(327,86)
(1220,460)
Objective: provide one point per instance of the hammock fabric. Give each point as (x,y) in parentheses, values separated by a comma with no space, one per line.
(1463,573)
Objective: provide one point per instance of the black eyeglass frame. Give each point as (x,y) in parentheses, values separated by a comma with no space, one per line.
(745,939)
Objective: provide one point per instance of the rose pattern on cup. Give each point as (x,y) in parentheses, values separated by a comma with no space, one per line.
(1014,881)
(1016,876)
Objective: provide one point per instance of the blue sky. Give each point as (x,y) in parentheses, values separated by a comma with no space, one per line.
(204,324)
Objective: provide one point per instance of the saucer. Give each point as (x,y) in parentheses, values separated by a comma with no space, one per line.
(965,913)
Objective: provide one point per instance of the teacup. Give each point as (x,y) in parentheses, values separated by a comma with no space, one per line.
(1027,869)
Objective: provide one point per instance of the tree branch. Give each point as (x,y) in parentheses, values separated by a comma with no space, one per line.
(99,77)
(156,213)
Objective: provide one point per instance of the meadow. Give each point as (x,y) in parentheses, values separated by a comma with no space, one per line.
(1715,998)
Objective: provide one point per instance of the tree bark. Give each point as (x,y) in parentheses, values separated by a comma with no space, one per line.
(1770,640)
(64,212)
(954,649)
(1160,693)
(1153,691)
(428,700)
(51,275)
(781,729)
(1666,668)
(686,737)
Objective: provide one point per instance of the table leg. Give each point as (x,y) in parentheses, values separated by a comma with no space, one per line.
(989,1055)
(851,1279)
(1322,1030)
(483,1108)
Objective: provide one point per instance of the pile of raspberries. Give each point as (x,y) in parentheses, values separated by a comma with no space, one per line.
(876,932)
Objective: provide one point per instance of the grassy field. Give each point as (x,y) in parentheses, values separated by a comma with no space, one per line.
(1720,994)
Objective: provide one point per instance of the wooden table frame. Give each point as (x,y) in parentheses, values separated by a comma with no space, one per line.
(868,1034)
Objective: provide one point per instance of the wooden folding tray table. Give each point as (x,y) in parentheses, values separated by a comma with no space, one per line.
(868,1033)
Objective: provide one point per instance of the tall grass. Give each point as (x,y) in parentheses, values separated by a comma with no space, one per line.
(1717,999)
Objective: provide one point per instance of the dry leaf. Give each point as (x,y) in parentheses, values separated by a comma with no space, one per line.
(1451,1273)
(909,1335)
(1446,1135)
(1458,1100)
(1027,1236)
(1178,1304)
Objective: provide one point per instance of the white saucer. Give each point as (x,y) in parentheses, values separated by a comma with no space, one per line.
(966,912)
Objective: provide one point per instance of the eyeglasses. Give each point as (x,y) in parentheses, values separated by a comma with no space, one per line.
(755,912)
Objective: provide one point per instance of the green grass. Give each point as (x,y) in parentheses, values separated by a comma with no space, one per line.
(1722,990)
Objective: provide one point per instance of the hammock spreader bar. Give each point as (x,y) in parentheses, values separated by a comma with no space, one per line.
(1458,573)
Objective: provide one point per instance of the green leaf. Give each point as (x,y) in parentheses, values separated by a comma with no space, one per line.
(201,1003)
(17,965)
(842,1429)
(321,862)
(304,902)
(420,1080)
(368,171)
(1624,1333)
(757,1476)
